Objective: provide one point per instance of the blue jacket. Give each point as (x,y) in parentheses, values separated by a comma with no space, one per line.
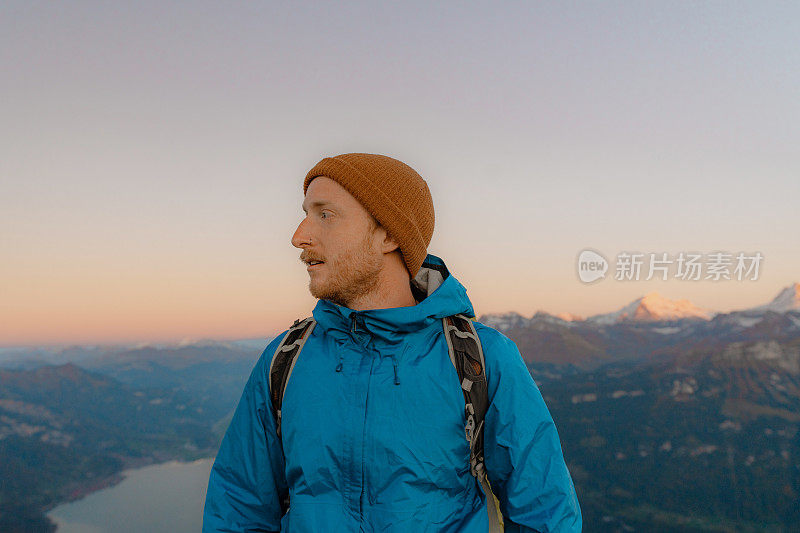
(373,433)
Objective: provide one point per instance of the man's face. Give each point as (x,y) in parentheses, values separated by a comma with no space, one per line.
(338,231)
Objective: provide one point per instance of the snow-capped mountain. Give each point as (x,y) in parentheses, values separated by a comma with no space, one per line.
(649,327)
(785,307)
(569,317)
(512,320)
(652,307)
(505,321)
(786,300)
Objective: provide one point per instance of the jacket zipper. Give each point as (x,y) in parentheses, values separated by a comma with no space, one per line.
(363,447)
(353,327)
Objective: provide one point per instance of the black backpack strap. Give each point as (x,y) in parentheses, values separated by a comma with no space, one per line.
(280,368)
(283,361)
(466,354)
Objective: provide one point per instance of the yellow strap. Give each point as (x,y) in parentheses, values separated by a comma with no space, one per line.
(492,507)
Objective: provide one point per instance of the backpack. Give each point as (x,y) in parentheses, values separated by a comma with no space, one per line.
(466,354)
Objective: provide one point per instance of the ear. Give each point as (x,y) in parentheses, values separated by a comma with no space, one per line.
(389,244)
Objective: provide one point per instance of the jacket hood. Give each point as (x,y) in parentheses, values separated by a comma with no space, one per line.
(439,294)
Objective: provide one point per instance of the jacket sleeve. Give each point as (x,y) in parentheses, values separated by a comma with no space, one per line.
(247,481)
(522,451)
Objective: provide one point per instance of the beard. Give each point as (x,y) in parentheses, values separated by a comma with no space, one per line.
(353,274)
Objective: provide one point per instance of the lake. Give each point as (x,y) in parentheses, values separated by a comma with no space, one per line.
(165,497)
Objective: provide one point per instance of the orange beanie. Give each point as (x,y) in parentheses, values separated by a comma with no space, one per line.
(392,192)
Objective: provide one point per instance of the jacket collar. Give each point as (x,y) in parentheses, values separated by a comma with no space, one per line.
(441,295)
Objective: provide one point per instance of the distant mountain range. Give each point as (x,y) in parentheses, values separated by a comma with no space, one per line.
(671,417)
(652,307)
(66,431)
(648,327)
(72,418)
(33,356)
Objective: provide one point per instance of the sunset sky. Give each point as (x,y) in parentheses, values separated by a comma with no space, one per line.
(152,154)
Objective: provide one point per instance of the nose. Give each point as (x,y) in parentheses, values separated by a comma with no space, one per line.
(301,235)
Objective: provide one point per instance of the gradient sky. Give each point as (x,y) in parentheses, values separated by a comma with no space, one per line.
(152,154)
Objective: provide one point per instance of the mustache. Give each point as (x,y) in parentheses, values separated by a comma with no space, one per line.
(308,257)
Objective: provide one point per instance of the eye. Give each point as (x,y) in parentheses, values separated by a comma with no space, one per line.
(324,214)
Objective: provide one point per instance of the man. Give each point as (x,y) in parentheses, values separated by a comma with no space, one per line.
(372,427)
